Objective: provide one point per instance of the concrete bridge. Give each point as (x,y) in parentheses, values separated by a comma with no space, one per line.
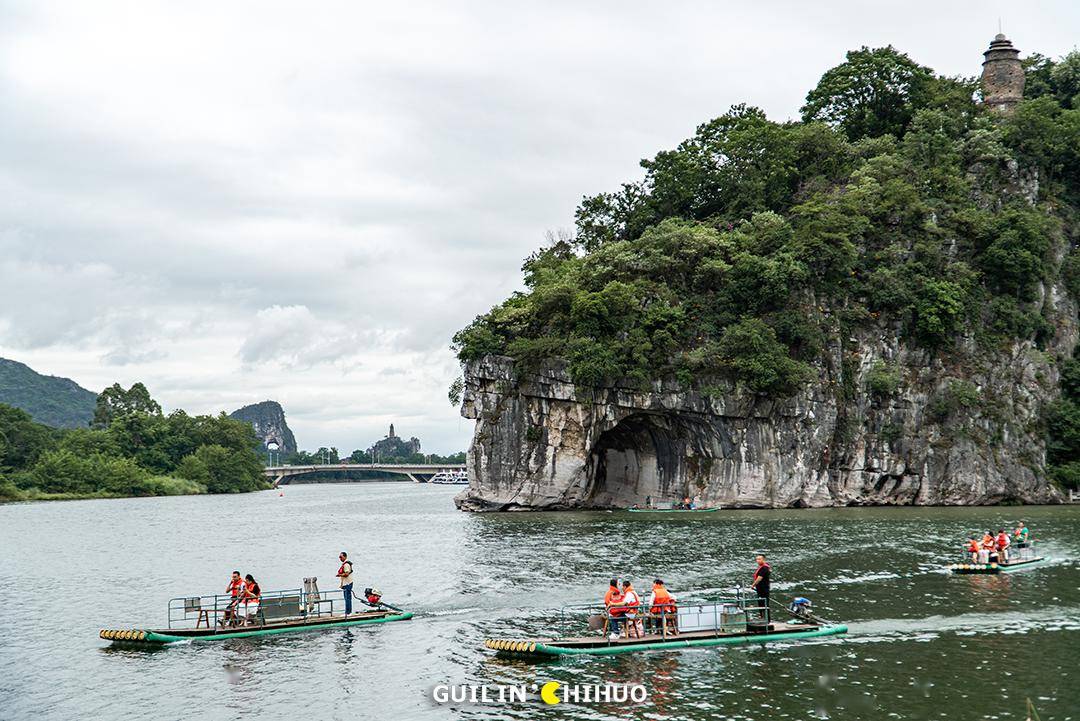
(280,475)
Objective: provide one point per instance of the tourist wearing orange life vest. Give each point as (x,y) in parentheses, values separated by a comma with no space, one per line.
(613,590)
(973,549)
(661,607)
(236,584)
(631,602)
(1003,546)
(249,597)
(986,547)
(613,604)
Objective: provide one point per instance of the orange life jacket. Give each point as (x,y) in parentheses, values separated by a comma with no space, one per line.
(1002,541)
(973,546)
(613,598)
(988,542)
(251,593)
(234,587)
(662,600)
(632,604)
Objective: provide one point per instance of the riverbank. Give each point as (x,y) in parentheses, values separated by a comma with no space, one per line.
(150,487)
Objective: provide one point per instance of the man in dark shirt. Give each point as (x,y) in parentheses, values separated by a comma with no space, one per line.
(761,583)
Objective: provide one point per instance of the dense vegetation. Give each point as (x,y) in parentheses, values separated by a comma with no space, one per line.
(54,401)
(131,450)
(1063,423)
(744,249)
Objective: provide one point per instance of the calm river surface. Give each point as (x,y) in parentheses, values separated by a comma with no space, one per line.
(922,645)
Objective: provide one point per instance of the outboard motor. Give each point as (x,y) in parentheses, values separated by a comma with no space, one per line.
(801,607)
(373,596)
(311,594)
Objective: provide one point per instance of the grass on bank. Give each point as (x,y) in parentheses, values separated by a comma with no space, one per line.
(152,486)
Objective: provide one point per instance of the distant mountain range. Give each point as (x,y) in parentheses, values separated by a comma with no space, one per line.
(54,401)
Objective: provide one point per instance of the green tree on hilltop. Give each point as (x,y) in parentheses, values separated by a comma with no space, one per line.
(115,401)
(898,202)
(874,92)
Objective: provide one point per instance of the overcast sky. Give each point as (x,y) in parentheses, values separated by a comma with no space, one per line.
(233,201)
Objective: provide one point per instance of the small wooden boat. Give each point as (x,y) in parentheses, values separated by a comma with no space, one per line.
(673,510)
(215,618)
(1020,556)
(736,620)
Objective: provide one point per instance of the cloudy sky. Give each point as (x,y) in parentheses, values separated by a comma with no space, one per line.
(303,201)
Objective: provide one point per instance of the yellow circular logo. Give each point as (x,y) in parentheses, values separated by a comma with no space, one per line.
(548,692)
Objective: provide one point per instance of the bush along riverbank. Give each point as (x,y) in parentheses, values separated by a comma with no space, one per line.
(131,449)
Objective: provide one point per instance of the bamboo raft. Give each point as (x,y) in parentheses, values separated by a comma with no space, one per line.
(199,619)
(992,568)
(159,637)
(657,642)
(1021,556)
(673,510)
(696,624)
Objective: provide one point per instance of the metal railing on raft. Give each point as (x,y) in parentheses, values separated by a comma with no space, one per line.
(1017,551)
(733,614)
(222,612)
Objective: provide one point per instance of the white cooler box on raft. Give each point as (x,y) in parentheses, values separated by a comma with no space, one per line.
(711,616)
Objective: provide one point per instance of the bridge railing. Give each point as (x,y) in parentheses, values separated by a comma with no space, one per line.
(403,467)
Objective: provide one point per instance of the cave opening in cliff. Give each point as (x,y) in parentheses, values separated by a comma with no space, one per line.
(635,460)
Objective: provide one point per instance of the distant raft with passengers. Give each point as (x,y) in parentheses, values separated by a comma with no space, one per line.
(998,553)
(735,619)
(224,616)
(687,505)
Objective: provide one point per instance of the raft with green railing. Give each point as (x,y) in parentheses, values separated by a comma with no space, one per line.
(1019,556)
(602,647)
(738,618)
(198,619)
(994,568)
(162,637)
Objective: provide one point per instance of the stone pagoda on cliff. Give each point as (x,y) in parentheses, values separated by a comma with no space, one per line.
(1002,75)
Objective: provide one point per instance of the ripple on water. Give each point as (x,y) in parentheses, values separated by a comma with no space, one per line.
(916,634)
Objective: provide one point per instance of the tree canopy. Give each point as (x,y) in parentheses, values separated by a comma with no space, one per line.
(134,450)
(115,401)
(752,244)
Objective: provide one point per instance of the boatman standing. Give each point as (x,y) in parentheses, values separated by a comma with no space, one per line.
(1021,535)
(344,574)
(761,583)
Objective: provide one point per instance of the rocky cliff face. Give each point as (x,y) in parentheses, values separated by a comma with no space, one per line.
(941,429)
(268,420)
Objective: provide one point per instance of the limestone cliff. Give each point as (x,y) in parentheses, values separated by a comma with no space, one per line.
(268,420)
(874,305)
(958,429)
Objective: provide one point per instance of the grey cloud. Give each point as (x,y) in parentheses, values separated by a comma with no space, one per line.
(308,207)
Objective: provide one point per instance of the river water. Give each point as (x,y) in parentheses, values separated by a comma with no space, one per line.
(922,644)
